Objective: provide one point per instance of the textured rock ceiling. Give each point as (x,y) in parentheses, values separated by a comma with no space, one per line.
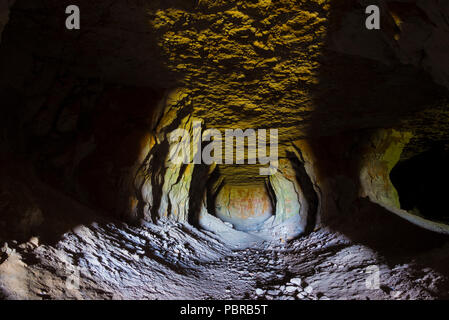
(253,64)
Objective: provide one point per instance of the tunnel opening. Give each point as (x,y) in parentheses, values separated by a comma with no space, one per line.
(282,206)
(213,187)
(421,183)
(245,207)
(309,218)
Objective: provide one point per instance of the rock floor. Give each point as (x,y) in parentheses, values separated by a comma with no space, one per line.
(176,261)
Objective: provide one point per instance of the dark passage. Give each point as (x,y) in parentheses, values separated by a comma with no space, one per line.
(421,182)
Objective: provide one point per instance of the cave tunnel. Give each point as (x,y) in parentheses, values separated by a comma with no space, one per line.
(226,150)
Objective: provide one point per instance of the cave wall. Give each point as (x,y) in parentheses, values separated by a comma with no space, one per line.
(245,207)
(4,14)
(380,154)
(412,32)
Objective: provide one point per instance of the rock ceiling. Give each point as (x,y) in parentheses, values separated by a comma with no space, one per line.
(247,64)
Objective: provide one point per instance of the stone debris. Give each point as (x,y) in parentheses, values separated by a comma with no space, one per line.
(117,261)
(260,292)
(290,289)
(308,289)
